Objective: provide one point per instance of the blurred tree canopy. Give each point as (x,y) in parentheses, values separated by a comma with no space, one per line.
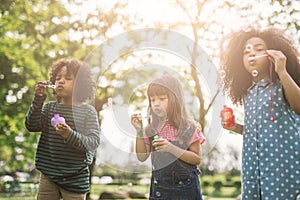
(25,53)
(34,33)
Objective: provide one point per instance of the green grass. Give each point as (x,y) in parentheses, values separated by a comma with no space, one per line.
(17,198)
(220,198)
(96,190)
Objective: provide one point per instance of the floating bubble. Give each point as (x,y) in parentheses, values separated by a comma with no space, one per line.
(249,48)
(254,73)
(49,85)
(221,73)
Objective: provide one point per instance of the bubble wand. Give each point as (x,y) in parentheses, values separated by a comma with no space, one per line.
(49,85)
(257,57)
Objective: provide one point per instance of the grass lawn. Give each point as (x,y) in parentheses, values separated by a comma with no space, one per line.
(96,190)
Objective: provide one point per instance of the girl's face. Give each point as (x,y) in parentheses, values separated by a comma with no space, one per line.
(159,105)
(256,47)
(64,83)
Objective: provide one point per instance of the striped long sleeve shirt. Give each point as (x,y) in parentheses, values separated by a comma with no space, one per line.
(65,161)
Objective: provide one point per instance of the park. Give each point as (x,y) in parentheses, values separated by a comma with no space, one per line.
(126,44)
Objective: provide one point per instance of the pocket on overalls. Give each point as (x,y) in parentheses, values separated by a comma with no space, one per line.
(181,178)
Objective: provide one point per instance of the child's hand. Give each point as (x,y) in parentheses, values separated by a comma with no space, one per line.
(227,118)
(40,88)
(63,129)
(279,60)
(136,121)
(161,144)
(225,125)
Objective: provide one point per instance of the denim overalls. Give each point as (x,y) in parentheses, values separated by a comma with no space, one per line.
(172,178)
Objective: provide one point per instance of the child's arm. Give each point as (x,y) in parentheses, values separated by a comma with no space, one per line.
(34,117)
(88,140)
(141,148)
(191,156)
(237,128)
(291,89)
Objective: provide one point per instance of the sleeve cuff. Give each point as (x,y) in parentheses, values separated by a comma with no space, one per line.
(39,100)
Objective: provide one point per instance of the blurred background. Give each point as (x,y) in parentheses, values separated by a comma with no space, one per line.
(35,33)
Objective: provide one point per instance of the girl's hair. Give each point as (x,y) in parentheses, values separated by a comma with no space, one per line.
(176,111)
(235,79)
(84,86)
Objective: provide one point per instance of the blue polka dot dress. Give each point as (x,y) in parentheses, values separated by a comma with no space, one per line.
(271,149)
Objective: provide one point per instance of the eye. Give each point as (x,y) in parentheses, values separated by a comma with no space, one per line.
(163,97)
(260,49)
(69,77)
(152,99)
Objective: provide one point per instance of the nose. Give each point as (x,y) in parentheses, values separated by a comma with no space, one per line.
(155,103)
(250,50)
(62,80)
(252,53)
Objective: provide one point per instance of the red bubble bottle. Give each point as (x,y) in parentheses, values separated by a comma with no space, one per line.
(57,119)
(228,117)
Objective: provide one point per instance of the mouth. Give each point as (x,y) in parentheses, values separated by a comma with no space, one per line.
(157,110)
(59,87)
(251,62)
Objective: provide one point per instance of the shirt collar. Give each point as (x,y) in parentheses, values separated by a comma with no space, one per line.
(262,83)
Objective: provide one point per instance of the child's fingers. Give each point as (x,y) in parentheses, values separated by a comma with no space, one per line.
(158,142)
(40,88)
(160,146)
(136,120)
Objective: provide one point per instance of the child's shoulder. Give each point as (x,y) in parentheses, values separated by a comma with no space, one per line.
(193,123)
(88,107)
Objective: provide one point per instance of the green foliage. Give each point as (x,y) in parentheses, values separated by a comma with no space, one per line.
(33,35)
(26,52)
(219,185)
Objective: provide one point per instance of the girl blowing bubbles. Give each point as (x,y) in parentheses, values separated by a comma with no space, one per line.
(177,152)
(262,72)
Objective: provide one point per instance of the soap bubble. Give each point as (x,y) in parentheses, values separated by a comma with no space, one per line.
(254,73)
(222,73)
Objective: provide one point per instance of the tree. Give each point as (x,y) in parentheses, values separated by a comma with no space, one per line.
(33,35)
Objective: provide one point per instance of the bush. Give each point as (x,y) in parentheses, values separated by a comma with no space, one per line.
(218,185)
(206,181)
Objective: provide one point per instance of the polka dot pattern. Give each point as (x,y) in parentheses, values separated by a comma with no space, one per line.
(271,149)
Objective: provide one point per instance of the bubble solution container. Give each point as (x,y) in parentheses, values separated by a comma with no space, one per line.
(228,116)
(57,119)
(156,137)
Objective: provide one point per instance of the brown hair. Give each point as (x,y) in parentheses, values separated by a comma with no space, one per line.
(176,111)
(236,80)
(84,86)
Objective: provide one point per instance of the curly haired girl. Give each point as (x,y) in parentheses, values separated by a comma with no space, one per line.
(261,71)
